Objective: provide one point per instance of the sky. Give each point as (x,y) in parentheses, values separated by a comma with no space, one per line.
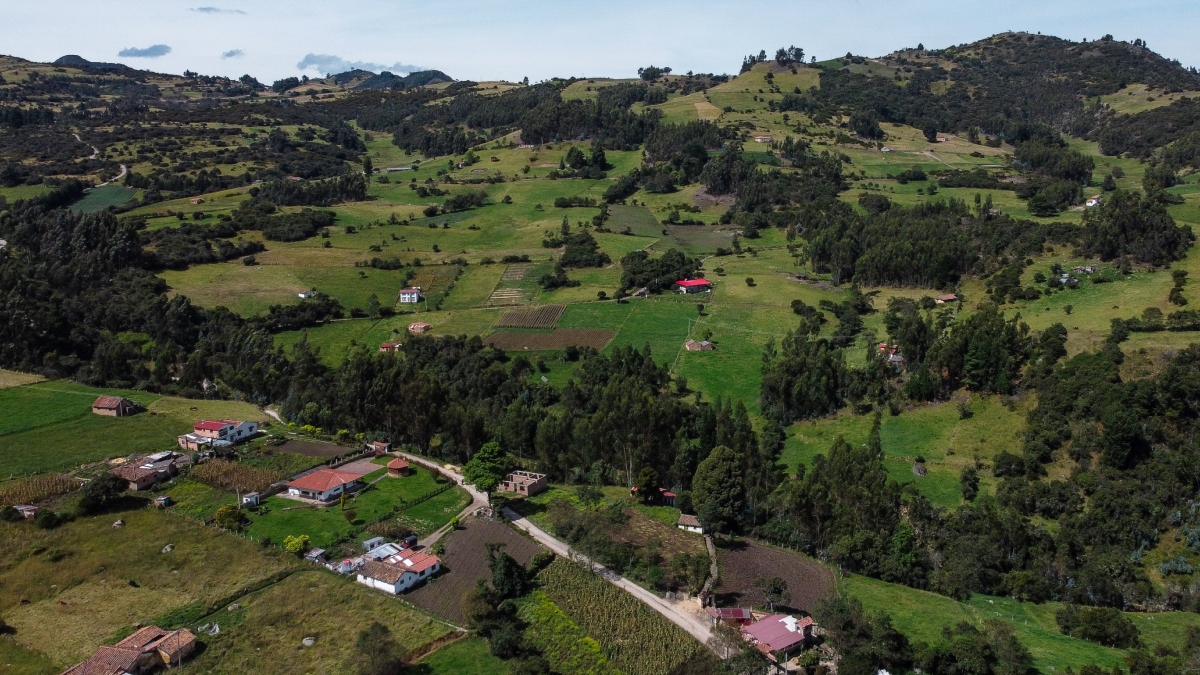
(510,39)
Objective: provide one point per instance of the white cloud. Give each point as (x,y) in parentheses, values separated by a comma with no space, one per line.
(151,52)
(233,54)
(216,10)
(328,64)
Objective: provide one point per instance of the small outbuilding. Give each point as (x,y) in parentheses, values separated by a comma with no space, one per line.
(379,447)
(730,616)
(524,483)
(113,406)
(418,327)
(689,523)
(943,299)
(398,467)
(698,345)
(251,499)
(389,347)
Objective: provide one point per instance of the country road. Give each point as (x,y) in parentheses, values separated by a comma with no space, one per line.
(95,152)
(478,499)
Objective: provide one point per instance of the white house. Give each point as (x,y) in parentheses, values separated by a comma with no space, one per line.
(217,433)
(410,295)
(323,485)
(399,572)
(690,523)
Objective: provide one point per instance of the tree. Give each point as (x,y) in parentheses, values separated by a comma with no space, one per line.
(718,490)
(377,652)
(101,492)
(589,494)
(509,578)
(969,483)
(647,484)
(368,166)
(228,517)
(775,592)
(487,468)
(10,515)
(296,544)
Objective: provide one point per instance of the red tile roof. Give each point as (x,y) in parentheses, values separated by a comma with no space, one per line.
(173,643)
(133,473)
(420,562)
(141,638)
(688,520)
(210,425)
(108,402)
(398,463)
(694,282)
(106,661)
(323,480)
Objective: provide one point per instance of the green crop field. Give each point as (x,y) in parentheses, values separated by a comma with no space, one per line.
(469,655)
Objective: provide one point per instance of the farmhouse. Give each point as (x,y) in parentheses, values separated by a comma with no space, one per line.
(524,483)
(779,635)
(410,295)
(418,327)
(402,569)
(323,485)
(379,447)
(687,286)
(142,652)
(389,347)
(1095,201)
(217,434)
(762,139)
(943,299)
(113,406)
(701,346)
(689,523)
(143,472)
(397,467)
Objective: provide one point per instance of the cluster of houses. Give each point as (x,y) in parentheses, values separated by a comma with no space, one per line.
(395,567)
(147,650)
(778,636)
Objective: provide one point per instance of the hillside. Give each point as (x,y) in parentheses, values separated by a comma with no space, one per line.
(939,333)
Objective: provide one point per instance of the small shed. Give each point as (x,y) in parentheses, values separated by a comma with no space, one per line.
(698,345)
(316,555)
(730,616)
(113,406)
(418,327)
(943,299)
(398,467)
(379,447)
(389,347)
(251,499)
(689,523)
(373,543)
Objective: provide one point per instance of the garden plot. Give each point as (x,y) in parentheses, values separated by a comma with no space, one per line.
(539,317)
(517,285)
(560,338)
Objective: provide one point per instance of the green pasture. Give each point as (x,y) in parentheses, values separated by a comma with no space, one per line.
(101,198)
(281,517)
(922,615)
(469,655)
(50,426)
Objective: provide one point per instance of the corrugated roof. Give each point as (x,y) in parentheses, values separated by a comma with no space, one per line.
(778,632)
(210,425)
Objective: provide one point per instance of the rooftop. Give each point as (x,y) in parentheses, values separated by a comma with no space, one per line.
(688,520)
(694,282)
(778,632)
(108,402)
(323,480)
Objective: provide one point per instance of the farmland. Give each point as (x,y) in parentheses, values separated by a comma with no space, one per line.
(540,317)
(101,198)
(465,561)
(744,563)
(636,639)
(556,340)
(50,426)
(85,581)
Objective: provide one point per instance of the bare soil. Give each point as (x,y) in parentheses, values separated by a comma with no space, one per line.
(311,449)
(641,530)
(465,560)
(742,563)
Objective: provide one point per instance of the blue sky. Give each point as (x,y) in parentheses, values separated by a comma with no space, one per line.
(511,39)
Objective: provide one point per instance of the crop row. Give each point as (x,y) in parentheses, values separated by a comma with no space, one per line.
(35,489)
(235,477)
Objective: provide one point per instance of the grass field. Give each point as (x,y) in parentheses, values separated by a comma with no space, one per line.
(11,378)
(470,655)
(265,633)
(100,198)
(50,425)
(922,616)
(85,581)
(281,517)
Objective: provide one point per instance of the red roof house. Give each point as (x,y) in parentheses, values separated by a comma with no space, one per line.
(779,633)
(113,406)
(694,285)
(323,484)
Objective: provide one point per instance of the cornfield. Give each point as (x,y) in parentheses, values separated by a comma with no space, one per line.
(35,489)
(231,476)
(636,639)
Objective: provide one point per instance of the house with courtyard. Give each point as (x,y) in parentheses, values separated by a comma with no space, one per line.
(114,406)
(323,485)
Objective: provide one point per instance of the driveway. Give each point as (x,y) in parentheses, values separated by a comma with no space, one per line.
(478,499)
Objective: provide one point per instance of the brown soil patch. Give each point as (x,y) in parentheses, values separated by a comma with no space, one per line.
(560,338)
(465,560)
(745,562)
(642,529)
(311,449)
